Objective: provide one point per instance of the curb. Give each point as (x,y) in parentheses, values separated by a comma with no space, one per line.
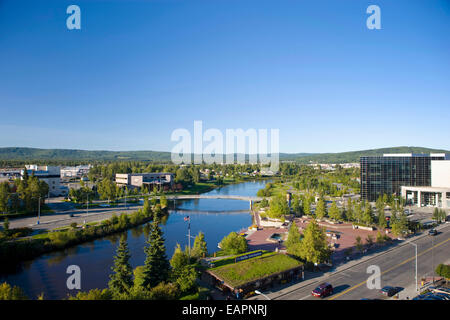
(331,273)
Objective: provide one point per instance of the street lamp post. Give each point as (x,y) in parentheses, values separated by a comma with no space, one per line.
(39,210)
(262,294)
(415,245)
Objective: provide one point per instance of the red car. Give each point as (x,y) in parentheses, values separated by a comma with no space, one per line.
(323,290)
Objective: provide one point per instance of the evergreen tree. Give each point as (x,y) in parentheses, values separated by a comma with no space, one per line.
(156,266)
(350,211)
(4,196)
(334,212)
(293,236)
(307,205)
(368,215)
(321,210)
(122,279)
(314,245)
(200,247)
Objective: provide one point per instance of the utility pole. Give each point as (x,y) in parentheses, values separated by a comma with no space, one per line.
(39,210)
(87,205)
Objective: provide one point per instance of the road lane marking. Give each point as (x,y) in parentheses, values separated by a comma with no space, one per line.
(390,269)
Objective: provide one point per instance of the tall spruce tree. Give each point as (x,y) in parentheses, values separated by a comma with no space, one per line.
(121,280)
(321,209)
(156,266)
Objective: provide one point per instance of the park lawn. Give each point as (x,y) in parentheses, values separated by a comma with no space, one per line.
(250,270)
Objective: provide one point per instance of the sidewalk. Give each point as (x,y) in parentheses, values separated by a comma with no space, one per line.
(311,278)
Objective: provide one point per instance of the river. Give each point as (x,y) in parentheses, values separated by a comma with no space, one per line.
(214,217)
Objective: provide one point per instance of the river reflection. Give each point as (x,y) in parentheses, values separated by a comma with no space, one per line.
(215,217)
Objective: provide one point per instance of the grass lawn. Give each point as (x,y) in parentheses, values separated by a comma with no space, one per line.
(242,272)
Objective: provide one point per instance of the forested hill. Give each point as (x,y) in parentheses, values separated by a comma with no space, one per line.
(19,155)
(353,156)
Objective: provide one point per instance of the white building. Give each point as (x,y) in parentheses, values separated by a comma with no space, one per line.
(49,174)
(436,195)
(75,172)
(144,179)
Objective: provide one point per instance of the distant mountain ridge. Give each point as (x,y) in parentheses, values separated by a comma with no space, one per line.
(36,154)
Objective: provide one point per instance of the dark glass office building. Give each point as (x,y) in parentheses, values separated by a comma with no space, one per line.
(387,173)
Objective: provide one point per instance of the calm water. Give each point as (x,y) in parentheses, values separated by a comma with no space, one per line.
(215,217)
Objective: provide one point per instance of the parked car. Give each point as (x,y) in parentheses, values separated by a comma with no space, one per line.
(432,232)
(390,291)
(323,290)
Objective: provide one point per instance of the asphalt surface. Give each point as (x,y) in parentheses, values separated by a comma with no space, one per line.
(61,216)
(397,267)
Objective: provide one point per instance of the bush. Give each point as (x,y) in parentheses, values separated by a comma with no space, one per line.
(11,293)
(443,270)
(234,244)
(164,291)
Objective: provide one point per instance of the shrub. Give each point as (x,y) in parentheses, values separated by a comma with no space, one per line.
(234,244)
(443,270)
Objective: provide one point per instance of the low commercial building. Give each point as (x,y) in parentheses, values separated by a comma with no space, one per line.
(436,195)
(49,174)
(149,180)
(75,172)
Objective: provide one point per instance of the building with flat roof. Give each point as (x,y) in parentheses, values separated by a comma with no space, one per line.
(388,173)
(49,174)
(139,180)
(436,195)
(75,172)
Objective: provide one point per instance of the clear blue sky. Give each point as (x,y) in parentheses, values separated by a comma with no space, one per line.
(137,70)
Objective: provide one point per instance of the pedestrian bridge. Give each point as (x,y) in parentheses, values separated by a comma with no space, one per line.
(229,197)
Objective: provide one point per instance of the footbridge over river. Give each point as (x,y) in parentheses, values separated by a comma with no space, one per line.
(218,196)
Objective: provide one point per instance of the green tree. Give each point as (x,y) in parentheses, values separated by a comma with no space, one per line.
(380,238)
(368,214)
(179,260)
(296,207)
(321,210)
(156,266)
(11,293)
(293,237)
(121,280)
(146,209)
(187,279)
(4,196)
(358,244)
(334,212)
(400,225)
(314,245)
(200,247)
(278,207)
(6,224)
(380,214)
(306,206)
(163,201)
(233,244)
(94,294)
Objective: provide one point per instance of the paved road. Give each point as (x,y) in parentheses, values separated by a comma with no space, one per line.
(61,217)
(397,268)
